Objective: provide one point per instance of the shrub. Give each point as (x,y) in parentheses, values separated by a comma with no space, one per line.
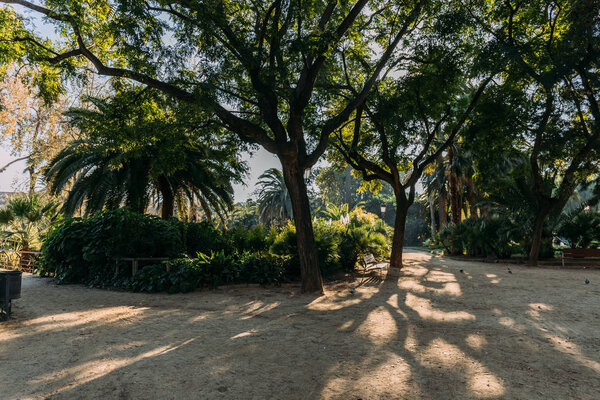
(84,250)
(201,237)
(249,239)
(580,228)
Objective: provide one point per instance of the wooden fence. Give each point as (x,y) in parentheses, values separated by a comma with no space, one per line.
(26,261)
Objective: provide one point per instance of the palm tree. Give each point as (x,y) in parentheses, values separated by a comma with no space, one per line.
(140,146)
(274,203)
(23,222)
(204,176)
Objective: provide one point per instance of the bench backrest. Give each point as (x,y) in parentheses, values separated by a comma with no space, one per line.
(369,259)
(581,253)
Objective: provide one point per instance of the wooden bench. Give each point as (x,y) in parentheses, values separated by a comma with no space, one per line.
(370,263)
(579,254)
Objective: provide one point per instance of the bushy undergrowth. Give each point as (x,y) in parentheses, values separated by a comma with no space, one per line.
(187,274)
(488,236)
(85,251)
(339,245)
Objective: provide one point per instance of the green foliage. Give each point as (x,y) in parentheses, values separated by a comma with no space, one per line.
(256,239)
(339,245)
(140,142)
(497,236)
(25,220)
(84,250)
(216,269)
(580,228)
(274,202)
(201,237)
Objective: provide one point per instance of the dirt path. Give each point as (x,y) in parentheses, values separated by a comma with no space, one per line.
(433,333)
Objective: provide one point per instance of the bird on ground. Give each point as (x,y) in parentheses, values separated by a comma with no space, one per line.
(462,272)
(509,271)
(352,290)
(587,281)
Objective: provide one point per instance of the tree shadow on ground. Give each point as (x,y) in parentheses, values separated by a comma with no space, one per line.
(432,333)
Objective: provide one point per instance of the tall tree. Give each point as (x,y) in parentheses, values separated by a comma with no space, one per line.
(552,52)
(412,119)
(259,66)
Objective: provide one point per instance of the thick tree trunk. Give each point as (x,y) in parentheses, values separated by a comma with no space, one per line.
(399,229)
(168,198)
(536,242)
(312,282)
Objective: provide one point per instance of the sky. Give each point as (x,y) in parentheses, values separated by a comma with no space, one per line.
(13,179)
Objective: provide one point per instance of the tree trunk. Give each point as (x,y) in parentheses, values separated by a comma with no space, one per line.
(312,282)
(33,175)
(536,242)
(399,228)
(432,215)
(443,214)
(453,183)
(168,198)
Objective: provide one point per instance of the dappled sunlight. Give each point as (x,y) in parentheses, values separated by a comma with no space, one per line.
(385,376)
(257,308)
(413,285)
(536,310)
(480,381)
(95,369)
(244,334)
(84,319)
(570,348)
(476,342)
(379,326)
(431,334)
(415,270)
(425,310)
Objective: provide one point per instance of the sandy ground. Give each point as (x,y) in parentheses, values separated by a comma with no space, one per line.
(432,333)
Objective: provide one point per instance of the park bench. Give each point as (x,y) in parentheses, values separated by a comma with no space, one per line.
(580,254)
(370,263)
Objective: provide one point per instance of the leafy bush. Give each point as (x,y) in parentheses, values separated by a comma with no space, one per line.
(580,228)
(84,250)
(201,237)
(339,245)
(493,235)
(216,269)
(249,239)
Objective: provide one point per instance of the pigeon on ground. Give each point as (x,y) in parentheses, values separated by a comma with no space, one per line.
(352,290)
(509,271)
(587,281)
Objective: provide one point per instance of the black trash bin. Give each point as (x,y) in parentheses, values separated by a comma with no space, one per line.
(10,288)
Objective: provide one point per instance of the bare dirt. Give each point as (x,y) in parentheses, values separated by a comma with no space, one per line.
(430,333)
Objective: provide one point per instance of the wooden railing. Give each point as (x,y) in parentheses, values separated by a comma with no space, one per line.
(26,261)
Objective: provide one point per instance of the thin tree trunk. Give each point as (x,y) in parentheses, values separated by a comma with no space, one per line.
(432,215)
(312,282)
(453,183)
(168,198)
(442,212)
(399,229)
(33,175)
